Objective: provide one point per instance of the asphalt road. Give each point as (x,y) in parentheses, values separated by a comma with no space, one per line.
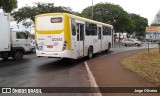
(48,72)
(42,72)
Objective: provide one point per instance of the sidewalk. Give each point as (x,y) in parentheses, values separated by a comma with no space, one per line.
(108,72)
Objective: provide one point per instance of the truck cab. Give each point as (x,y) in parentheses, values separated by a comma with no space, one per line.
(21,39)
(19,44)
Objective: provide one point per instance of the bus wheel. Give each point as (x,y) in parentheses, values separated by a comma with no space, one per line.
(18,55)
(109,47)
(90,52)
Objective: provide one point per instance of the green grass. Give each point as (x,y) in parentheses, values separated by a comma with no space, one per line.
(144,64)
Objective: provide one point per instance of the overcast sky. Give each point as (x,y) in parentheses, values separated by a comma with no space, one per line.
(145,8)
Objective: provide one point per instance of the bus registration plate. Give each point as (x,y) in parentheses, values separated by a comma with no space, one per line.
(49,46)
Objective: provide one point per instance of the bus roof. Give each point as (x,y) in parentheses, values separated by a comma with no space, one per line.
(76,17)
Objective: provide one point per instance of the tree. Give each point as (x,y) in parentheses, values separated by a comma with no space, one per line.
(156,21)
(109,13)
(140,24)
(157,18)
(8,5)
(28,12)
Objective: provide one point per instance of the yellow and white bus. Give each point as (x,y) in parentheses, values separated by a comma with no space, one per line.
(64,35)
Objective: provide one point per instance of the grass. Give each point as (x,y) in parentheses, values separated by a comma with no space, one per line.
(144,64)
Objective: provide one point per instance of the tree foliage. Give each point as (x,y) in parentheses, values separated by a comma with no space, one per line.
(8,5)
(140,24)
(109,13)
(103,12)
(28,12)
(156,21)
(118,17)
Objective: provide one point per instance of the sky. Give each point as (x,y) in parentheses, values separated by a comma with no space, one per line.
(144,8)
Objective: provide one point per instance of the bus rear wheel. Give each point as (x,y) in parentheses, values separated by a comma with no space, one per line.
(109,47)
(90,52)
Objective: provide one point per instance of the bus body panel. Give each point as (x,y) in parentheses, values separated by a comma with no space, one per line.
(50,43)
(50,35)
(73,39)
(57,39)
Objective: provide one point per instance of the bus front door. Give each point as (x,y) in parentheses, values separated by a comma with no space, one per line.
(80,39)
(99,39)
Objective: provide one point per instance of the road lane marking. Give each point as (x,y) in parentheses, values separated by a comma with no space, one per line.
(92,80)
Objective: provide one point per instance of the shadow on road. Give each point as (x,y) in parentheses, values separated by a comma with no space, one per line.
(46,64)
(67,63)
(59,65)
(11,62)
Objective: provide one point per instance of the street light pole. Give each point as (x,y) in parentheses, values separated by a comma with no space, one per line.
(92,10)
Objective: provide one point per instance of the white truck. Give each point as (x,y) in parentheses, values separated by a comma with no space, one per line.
(13,43)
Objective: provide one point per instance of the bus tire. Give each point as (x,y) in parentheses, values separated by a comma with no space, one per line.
(90,52)
(109,47)
(18,55)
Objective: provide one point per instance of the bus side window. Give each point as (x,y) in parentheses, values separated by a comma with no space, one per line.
(81,32)
(104,30)
(93,29)
(73,25)
(99,33)
(87,29)
(109,31)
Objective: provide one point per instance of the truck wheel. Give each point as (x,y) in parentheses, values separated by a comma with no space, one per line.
(33,50)
(5,56)
(18,55)
(90,52)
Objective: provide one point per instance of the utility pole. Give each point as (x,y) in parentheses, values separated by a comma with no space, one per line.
(92,10)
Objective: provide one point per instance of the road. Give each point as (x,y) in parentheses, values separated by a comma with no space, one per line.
(47,72)
(42,72)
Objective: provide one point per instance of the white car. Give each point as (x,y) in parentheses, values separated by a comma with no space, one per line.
(129,41)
